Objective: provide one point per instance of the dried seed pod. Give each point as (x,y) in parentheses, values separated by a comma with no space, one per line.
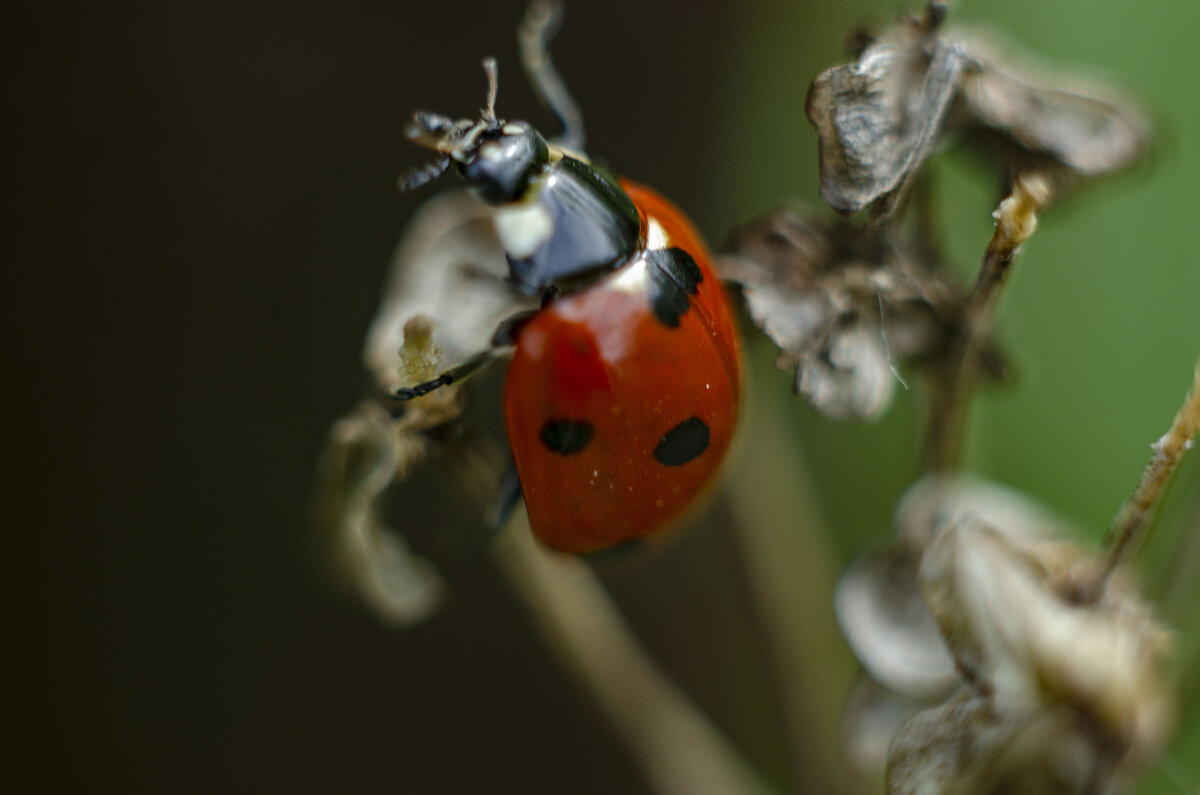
(845,306)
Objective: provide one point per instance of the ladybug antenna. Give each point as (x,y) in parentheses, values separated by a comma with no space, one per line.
(423,175)
(489,113)
(541,23)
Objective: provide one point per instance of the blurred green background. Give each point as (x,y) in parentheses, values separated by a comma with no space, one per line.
(202,199)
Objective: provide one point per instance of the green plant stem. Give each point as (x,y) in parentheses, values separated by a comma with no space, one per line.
(677,748)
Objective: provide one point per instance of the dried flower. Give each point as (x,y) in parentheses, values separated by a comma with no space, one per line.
(444,298)
(846,307)
(977,598)
(879,118)
(1058,696)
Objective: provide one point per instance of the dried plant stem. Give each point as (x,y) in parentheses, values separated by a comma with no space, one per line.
(1135,514)
(678,749)
(788,570)
(1016,220)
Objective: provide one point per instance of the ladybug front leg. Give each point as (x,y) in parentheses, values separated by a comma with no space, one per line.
(456,373)
(508,496)
(505,336)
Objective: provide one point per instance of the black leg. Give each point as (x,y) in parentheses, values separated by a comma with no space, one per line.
(455,373)
(507,497)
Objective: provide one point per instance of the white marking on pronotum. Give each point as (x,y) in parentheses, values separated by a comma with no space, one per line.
(656,236)
(631,278)
(523,228)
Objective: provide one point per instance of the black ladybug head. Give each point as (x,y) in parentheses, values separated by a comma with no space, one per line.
(497,158)
(501,165)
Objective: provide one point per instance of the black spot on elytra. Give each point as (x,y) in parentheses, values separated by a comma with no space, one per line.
(674,277)
(566,437)
(685,442)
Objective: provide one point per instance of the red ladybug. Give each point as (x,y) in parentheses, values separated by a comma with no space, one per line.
(621,398)
(623,390)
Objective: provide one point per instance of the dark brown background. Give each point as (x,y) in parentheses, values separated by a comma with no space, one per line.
(201,204)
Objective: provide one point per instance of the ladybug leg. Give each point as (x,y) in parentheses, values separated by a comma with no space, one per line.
(456,373)
(507,497)
(539,26)
(505,336)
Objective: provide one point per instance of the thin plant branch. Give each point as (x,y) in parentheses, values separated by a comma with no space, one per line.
(675,745)
(1134,516)
(1016,219)
(541,23)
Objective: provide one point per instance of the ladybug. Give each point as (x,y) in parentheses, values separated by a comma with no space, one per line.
(623,389)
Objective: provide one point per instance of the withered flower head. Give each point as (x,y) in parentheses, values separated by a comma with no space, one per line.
(879,118)
(845,306)
(444,298)
(1044,694)
(1057,696)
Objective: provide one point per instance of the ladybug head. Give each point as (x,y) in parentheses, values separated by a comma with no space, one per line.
(497,158)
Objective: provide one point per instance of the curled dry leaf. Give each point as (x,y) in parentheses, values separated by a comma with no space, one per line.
(886,624)
(845,308)
(1055,121)
(444,298)
(879,118)
(366,452)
